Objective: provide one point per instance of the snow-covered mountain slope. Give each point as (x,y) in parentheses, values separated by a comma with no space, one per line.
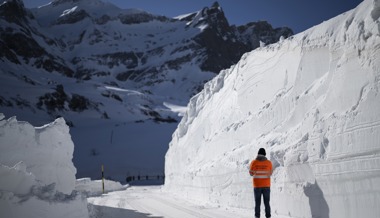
(313,101)
(37,172)
(110,72)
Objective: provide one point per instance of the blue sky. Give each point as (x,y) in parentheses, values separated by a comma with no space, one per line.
(296,14)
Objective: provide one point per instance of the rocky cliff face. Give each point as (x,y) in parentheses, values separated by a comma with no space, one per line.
(19,41)
(254,32)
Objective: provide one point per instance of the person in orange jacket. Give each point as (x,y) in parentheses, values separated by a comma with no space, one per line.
(261,170)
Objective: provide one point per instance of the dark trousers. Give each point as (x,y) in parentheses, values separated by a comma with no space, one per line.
(265,192)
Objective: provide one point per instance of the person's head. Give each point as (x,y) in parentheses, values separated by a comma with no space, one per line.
(262,152)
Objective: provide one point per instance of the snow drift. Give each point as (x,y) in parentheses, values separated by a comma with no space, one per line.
(36,170)
(313,101)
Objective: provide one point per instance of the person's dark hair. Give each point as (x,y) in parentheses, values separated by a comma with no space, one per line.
(262,151)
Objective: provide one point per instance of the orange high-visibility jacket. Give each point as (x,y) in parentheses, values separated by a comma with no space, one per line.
(261,170)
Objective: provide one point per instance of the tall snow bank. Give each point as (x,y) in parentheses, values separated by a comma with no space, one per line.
(36,171)
(47,151)
(313,101)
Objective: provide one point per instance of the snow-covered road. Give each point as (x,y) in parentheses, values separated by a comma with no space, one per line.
(151,201)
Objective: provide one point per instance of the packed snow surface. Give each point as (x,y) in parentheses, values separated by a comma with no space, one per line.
(37,172)
(313,101)
(144,202)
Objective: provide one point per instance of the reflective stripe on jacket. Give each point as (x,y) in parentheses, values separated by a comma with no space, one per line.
(261,170)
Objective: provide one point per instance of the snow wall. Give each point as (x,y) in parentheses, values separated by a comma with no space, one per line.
(313,101)
(36,171)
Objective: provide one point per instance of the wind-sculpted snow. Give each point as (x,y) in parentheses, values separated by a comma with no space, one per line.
(313,102)
(36,170)
(197,103)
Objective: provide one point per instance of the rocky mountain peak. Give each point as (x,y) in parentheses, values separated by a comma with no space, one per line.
(215,5)
(216,31)
(209,17)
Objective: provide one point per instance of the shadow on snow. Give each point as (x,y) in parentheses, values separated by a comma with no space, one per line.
(317,201)
(97,211)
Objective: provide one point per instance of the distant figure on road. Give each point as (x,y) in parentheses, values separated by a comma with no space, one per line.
(261,170)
